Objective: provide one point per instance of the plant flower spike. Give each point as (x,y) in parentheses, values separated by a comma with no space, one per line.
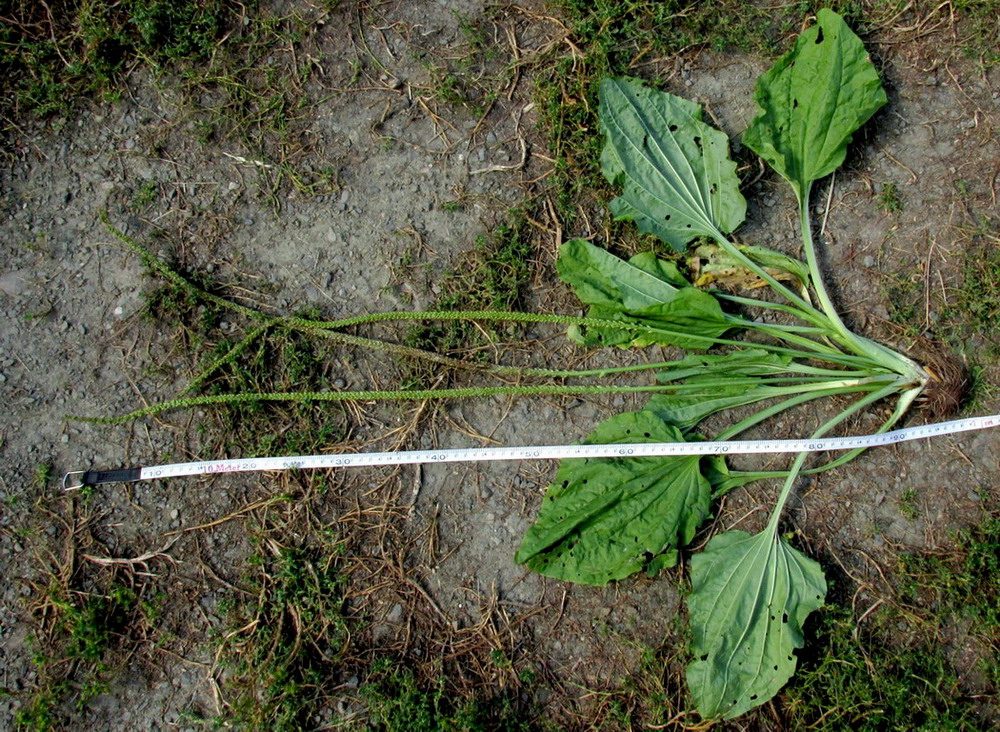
(606,519)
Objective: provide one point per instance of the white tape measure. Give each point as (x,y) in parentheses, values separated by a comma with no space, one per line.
(80,478)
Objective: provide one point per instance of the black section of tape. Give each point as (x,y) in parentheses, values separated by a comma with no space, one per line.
(99,477)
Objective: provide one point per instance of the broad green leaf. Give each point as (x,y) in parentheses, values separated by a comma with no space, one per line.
(812,100)
(750,598)
(644,290)
(600,278)
(605,519)
(678,180)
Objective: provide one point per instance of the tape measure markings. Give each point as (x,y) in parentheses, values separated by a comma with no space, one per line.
(81,478)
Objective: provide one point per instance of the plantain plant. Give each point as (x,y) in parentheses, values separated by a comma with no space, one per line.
(602,520)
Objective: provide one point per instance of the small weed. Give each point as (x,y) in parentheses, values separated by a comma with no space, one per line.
(863,682)
(978,20)
(175,305)
(283,658)
(889,200)
(146,194)
(981,389)
(43,475)
(977,301)
(477,38)
(496,277)
(45,312)
(873,677)
(52,54)
(447,87)
(974,306)
(240,83)
(74,657)
(36,245)
(908,504)
(903,295)
(41,712)
(964,583)
(472,75)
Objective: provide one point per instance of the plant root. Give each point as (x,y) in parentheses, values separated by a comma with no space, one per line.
(948,386)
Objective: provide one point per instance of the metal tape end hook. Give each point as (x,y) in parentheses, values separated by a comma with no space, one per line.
(71,481)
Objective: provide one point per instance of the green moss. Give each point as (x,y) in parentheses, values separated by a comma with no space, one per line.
(52,53)
(398,702)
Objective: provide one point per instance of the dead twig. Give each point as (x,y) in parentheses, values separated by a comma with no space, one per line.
(142,559)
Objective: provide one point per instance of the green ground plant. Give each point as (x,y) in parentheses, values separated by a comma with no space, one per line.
(979,30)
(239,83)
(78,642)
(603,520)
(868,682)
(977,302)
(889,200)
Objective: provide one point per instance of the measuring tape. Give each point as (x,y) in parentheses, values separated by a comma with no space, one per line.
(81,478)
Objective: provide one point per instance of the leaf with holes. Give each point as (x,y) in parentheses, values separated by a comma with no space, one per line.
(604,519)
(644,290)
(812,100)
(750,598)
(678,180)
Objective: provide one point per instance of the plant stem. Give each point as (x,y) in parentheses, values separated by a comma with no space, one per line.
(410,352)
(812,261)
(801,398)
(754,303)
(858,344)
(902,405)
(783,334)
(793,471)
(817,350)
(802,309)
